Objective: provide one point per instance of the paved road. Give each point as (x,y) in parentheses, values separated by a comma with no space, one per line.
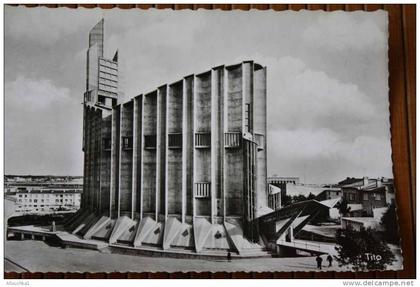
(10,266)
(37,256)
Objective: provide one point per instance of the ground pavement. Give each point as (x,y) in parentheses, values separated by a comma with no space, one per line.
(37,256)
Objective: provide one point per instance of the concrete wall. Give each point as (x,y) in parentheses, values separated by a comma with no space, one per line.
(187,146)
(174,155)
(233,158)
(161,202)
(159,181)
(260,128)
(202,124)
(149,155)
(137,203)
(115,161)
(234,99)
(105,169)
(126,159)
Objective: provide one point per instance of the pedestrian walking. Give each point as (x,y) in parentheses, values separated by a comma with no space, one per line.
(330,260)
(229,256)
(319,262)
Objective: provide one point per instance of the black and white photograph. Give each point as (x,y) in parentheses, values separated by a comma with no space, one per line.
(207,141)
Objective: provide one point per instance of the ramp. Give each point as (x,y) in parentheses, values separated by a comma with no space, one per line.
(309,246)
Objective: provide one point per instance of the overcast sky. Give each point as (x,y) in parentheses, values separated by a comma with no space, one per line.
(328,113)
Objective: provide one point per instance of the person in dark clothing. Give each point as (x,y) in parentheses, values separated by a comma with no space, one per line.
(319,262)
(229,256)
(330,260)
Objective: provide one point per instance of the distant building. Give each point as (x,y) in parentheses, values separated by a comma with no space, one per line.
(281,182)
(356,223)
(274,197)
(368,194)
(45,201)
(44,194)
(330,193)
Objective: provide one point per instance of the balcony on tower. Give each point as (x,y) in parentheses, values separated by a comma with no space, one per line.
(202,190)
(150,142)
(202,139)
(175,140)
(233,139)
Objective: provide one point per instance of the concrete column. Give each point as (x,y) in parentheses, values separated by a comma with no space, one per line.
(22,236)
(135,157)
(161,152)
(225,129)
(115,143)
(141,147)
(187,146)
(165,147)
(184,149)
(194,97)
(119,139)
(98,161)
(158,162)
(215,140)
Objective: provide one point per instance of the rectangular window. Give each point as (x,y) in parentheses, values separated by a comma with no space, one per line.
(365,196)
(106,144)
(202,189)
(150,142)
(127,143)
(247,117)
(202,140)
(175,140)
(232,140)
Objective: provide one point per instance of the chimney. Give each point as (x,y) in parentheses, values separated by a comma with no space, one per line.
(365,181)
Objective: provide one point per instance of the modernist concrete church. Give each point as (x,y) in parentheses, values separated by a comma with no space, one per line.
(182,168)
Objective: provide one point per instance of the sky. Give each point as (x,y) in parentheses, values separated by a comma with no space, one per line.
(327,81)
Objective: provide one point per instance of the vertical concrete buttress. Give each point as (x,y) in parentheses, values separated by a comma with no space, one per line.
(135,139)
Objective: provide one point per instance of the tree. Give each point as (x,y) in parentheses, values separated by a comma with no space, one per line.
(286,200)
(299,198)
(343,207)
(390,224)
(362,250)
